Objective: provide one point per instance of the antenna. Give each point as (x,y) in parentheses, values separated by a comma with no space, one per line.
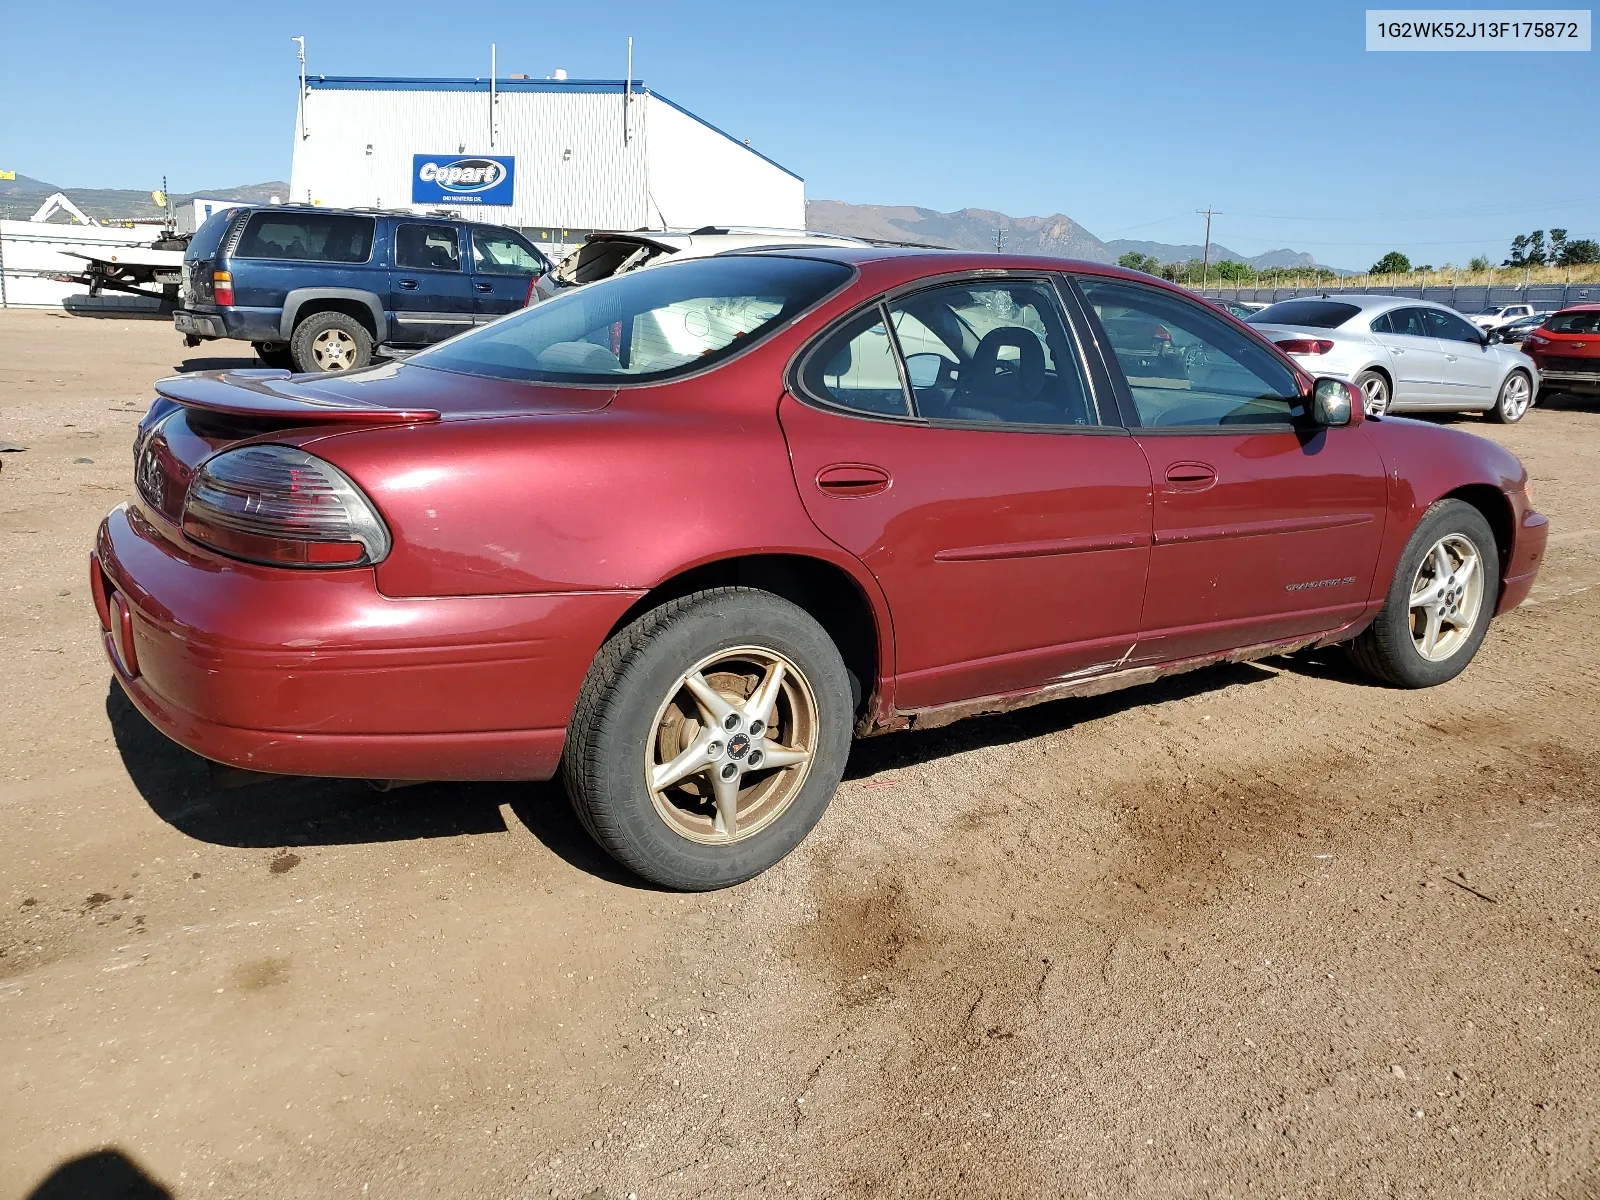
(302,104)
(493,99)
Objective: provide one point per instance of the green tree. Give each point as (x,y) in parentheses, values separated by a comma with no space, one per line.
(1478,263)
(1558,244)
(1232,270)
(1392,263)
(1580,251)
(1134,261)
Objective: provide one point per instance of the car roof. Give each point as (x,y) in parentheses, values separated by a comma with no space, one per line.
(1589,306)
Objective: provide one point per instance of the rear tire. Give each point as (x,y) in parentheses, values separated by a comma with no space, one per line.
(1435,598)
(661,762)
(1376,393)
(330,342)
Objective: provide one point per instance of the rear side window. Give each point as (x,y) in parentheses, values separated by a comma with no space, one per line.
(1311,314)
(856,368)
(427,247)
(306,237)
(497,252)
(1574,322)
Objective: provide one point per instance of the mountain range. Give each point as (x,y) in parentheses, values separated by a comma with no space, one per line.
(1057,236)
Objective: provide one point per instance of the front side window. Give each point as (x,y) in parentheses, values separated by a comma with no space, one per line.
(1186,367)
(1450,327)
(427,248)
(993,353)
(306,237)
(646,325)
(500,253)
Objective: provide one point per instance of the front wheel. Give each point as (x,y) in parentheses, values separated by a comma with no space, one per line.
(1438,608)
(709,737)
(1514,400)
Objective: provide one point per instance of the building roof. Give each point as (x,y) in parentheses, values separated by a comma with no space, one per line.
(614,87)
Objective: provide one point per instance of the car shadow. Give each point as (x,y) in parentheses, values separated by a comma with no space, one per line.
(227,807)
(244,362)
(1569,402)
(101,1175)
(869,756)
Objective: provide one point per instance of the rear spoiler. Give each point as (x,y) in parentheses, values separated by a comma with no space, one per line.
(267,393)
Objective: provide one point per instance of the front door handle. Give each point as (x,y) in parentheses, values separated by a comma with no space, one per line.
(1190,476)
(853,479)
(484,287)
(1396,350)
(1450,358)
(409,285)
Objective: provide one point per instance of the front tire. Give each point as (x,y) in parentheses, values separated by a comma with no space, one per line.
(1514,400)
(709,737)
(1438,609)
(1375,392)
(330,342)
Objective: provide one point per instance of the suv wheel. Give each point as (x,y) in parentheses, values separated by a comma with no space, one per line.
(1440,603)
(330,341)
(709,737)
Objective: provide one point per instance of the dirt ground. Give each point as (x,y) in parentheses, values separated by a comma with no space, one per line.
(1256,931)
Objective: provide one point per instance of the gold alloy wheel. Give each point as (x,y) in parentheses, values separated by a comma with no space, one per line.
(333,350)
(1446,595)
(731,745)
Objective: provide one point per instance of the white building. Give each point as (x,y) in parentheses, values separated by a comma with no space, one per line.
(545,155)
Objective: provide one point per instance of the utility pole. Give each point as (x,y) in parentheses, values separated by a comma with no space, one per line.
(999,240)
(302,104)
(1205,262)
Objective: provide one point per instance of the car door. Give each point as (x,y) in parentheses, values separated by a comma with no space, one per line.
(430,292)
(1415,357)
(1472,370)
(1266,526)
(988,487)
(505,267)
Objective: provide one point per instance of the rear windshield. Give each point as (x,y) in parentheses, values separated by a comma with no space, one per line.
(1312,314)
(1582,321)
(645,326)
(307,237)
(208,237)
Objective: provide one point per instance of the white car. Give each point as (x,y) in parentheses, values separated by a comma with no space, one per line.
(1405,355)
(1499,315)
(603,255)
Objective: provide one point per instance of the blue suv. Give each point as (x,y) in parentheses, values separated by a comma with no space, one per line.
(316,289)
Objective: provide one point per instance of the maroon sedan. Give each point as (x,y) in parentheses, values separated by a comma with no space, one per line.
(681,534)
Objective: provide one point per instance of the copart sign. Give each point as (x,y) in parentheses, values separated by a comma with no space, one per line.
(457,179)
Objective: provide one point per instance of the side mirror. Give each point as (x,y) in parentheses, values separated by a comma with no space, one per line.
(1333,402)
(1493,337)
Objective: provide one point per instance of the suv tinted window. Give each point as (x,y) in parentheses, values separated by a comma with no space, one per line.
(647,325)
(427,247)
(1575,322)
(1314,314)
(208,237)
(1187,367)
(499,252)
(306,237)
(1451,327)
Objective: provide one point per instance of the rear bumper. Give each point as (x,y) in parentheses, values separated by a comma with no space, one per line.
(246,324)
(318,673)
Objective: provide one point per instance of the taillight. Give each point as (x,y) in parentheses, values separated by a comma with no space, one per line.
(222,287)
(1306,346)
(533,285)
(1537,340)
(280,505)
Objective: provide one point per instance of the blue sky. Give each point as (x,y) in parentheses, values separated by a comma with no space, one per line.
(1127,117)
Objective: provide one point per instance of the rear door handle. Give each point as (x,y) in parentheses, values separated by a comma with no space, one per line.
(853,479)
(1190,476)
(484,287)
(409,285)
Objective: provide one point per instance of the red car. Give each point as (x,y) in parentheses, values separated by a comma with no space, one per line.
(681,534)
(1566,349)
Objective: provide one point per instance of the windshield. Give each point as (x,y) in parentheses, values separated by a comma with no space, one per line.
(1313,314)
(645,326)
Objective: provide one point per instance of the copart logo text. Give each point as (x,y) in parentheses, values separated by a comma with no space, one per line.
(464,174)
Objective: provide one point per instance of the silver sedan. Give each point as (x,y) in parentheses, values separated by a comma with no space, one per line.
(1405,355)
